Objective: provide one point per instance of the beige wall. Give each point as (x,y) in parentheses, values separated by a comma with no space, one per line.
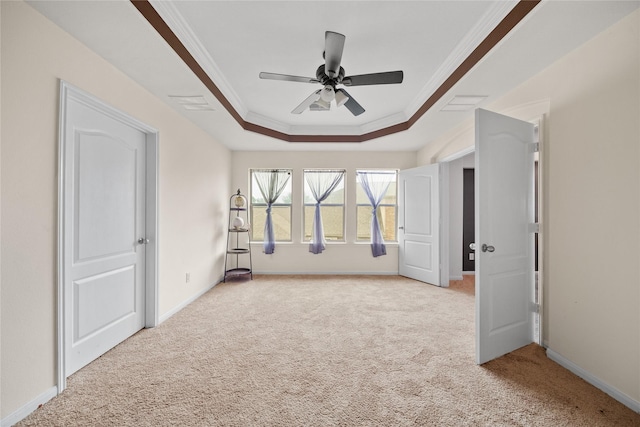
(294,257)
(194,181)
(591,198)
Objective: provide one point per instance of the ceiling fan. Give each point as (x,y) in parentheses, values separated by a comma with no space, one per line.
(331,74)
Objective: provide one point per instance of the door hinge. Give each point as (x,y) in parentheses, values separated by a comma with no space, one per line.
(536,147)
(535,307)
(534,227)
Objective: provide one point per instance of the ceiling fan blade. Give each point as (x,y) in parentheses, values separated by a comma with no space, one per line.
(288,78)
(390,77)
(355,108)
(307,102)
(333,47)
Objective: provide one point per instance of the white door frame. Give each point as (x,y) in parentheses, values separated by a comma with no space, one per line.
(444,225)
(67,91)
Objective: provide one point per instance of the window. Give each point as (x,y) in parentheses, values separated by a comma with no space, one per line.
(386,212)
(331,208)
(280,209)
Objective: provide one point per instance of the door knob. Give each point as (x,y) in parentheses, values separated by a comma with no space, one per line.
(143,241)
(487,248)
(472,246)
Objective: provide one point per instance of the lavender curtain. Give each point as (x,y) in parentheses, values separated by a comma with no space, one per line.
(321,184)
(271,184)
(375,185)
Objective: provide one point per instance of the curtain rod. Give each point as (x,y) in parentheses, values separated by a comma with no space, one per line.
(272,170)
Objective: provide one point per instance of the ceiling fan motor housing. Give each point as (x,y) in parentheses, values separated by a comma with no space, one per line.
(322,76)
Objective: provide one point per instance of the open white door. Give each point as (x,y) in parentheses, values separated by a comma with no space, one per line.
(504,189)
(419,224)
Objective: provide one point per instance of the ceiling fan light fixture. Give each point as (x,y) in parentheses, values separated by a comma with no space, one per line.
(320,105)
(328,94)
(341,98)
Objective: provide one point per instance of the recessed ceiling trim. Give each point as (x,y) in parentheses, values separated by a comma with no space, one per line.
(465,47)
(181,29)
(268,122)
(384,122)
(517,14)
(150,14)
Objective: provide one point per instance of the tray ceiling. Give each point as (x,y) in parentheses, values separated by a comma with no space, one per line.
(203,59)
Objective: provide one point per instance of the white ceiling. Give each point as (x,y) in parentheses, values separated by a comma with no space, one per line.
(235,40)
(288,38)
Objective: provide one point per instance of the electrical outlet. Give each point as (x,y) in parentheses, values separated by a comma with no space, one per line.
(188,277)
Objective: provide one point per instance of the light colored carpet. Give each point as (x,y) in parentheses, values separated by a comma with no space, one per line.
(325,351)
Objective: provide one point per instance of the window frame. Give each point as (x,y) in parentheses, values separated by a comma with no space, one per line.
(368,205)
(323,204)
(274,205)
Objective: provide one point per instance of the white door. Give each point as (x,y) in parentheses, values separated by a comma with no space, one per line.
(419,224)
(104,216)
(504,234)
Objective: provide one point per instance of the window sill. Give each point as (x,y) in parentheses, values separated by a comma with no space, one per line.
(329,243)
(362,242)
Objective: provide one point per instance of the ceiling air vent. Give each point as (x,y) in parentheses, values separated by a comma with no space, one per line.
(194,103)
(463,102)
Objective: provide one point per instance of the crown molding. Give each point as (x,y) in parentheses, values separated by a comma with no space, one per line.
(465,47)
(176,22)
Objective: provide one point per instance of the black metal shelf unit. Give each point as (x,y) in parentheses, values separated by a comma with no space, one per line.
(237,262)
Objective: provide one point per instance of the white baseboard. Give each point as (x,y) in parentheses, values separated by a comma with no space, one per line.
(456,278)
(24,411)
(327,273)
(185,303)
(593,380)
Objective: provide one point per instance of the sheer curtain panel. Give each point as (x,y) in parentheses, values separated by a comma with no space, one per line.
(321,183)
(271,183)
(375,186)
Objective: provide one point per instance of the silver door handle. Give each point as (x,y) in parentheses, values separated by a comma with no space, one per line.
(143,241)
(487,248)
(472,246)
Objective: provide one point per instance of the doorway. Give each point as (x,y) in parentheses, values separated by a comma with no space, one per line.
(107,229)
(468,221)
(461,167)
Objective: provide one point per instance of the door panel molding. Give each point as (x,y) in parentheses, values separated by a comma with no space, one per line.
(69,93)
